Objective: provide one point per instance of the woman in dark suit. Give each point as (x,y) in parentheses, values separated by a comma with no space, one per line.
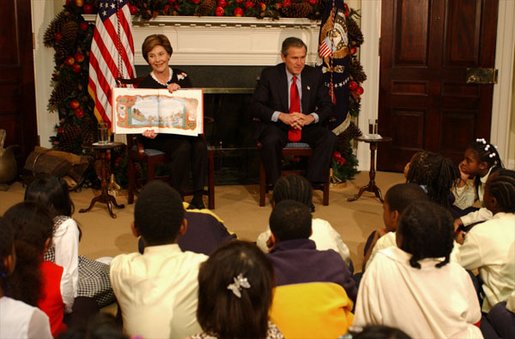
(186,153)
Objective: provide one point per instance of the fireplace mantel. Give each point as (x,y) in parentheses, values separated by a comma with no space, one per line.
(239,41)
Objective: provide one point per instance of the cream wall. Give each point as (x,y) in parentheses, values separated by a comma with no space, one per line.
(503,110)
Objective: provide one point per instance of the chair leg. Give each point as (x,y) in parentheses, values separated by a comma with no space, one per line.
(131,173)
(262,184)
(211,180)
(325,199)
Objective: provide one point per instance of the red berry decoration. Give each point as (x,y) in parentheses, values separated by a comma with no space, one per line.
(69,61)
(249,4)
(79,113)
(84,26)
(74,104)
(219,11)
(133,9)
(353,85)
(360,90)
(353,50)
(58,36)
(76,68)
(88,9)
(79,3)
(238,11)
(222,3)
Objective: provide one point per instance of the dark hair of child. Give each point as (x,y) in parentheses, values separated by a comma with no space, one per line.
(158,213)
(436,173)
(399,196)
(293,187)
(6,249)
(426,231)
(32,227)
(290,220)
(220,311)
(486,152)
(101,326)
(501,186)
(380,332)
(52,192)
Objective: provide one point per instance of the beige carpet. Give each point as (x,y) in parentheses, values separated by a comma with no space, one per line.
(238,206)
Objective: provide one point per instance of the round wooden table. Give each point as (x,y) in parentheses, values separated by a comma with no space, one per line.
(371,186)
(105,172)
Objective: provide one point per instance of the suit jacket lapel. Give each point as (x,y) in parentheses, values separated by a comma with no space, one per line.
(306,92)
(283,87)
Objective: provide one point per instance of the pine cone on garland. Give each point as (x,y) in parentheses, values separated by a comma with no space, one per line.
(297,10)
(349,134)
(356,70)
(59,94)
(354,32)
(53,33)
(206,7)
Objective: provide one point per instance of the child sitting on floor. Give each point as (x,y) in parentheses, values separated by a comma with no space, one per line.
(37,281)
(397,198)
(489,246)
(480,160)
(235,294)
(414,287)
(157,291)
(17,319)
(436,175)
(90,278)
(298,188)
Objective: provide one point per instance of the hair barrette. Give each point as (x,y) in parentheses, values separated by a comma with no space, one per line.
(239,282)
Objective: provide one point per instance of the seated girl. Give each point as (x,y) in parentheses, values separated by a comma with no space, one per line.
(235,294)
(36,281)
(414,287)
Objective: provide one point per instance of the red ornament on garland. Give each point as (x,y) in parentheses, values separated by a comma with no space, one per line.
(74,104)
(88,9)
(353,85)
(219,11)
(360,90)
(133,9)
(79,113)
(238,11)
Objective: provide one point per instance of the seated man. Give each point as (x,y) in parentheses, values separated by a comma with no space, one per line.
(295,257)
(291,104)
(157,290)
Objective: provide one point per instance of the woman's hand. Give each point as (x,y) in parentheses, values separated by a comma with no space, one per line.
(149,133)
(173,87)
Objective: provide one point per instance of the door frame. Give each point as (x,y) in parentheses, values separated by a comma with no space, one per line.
(504,62)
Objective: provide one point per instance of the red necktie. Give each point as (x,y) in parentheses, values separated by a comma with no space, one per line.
(294,135)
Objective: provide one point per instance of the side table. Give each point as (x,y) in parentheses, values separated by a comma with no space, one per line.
(105,172)
(371,186)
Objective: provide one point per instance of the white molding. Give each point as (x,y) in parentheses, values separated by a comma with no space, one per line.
(502,105)
(235,41)
(42,13)
(369,58)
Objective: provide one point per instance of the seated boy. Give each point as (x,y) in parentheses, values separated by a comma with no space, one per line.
(397,198)
(295,257)
(157,290)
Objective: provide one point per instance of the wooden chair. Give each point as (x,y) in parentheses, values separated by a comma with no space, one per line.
(291,150)
(151,159)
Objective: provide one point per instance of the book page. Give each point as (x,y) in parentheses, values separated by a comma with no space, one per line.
(136,110)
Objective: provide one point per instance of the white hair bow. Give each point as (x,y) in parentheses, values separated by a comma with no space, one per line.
(239,282)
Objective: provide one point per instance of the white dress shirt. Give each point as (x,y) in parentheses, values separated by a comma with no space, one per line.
(158,291)
(490,247)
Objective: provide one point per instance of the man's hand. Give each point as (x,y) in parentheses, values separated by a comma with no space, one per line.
(296,120)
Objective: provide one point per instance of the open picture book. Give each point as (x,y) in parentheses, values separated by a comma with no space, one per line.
(136,110)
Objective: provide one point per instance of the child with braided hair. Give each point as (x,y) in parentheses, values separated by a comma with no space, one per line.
(414,286)
(489,246)
(435,173)
(480,160)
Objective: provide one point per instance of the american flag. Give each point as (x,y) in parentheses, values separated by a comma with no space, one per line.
(112,54)
(325,49)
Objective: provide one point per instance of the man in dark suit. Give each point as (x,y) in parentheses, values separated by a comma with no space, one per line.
(282,121)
